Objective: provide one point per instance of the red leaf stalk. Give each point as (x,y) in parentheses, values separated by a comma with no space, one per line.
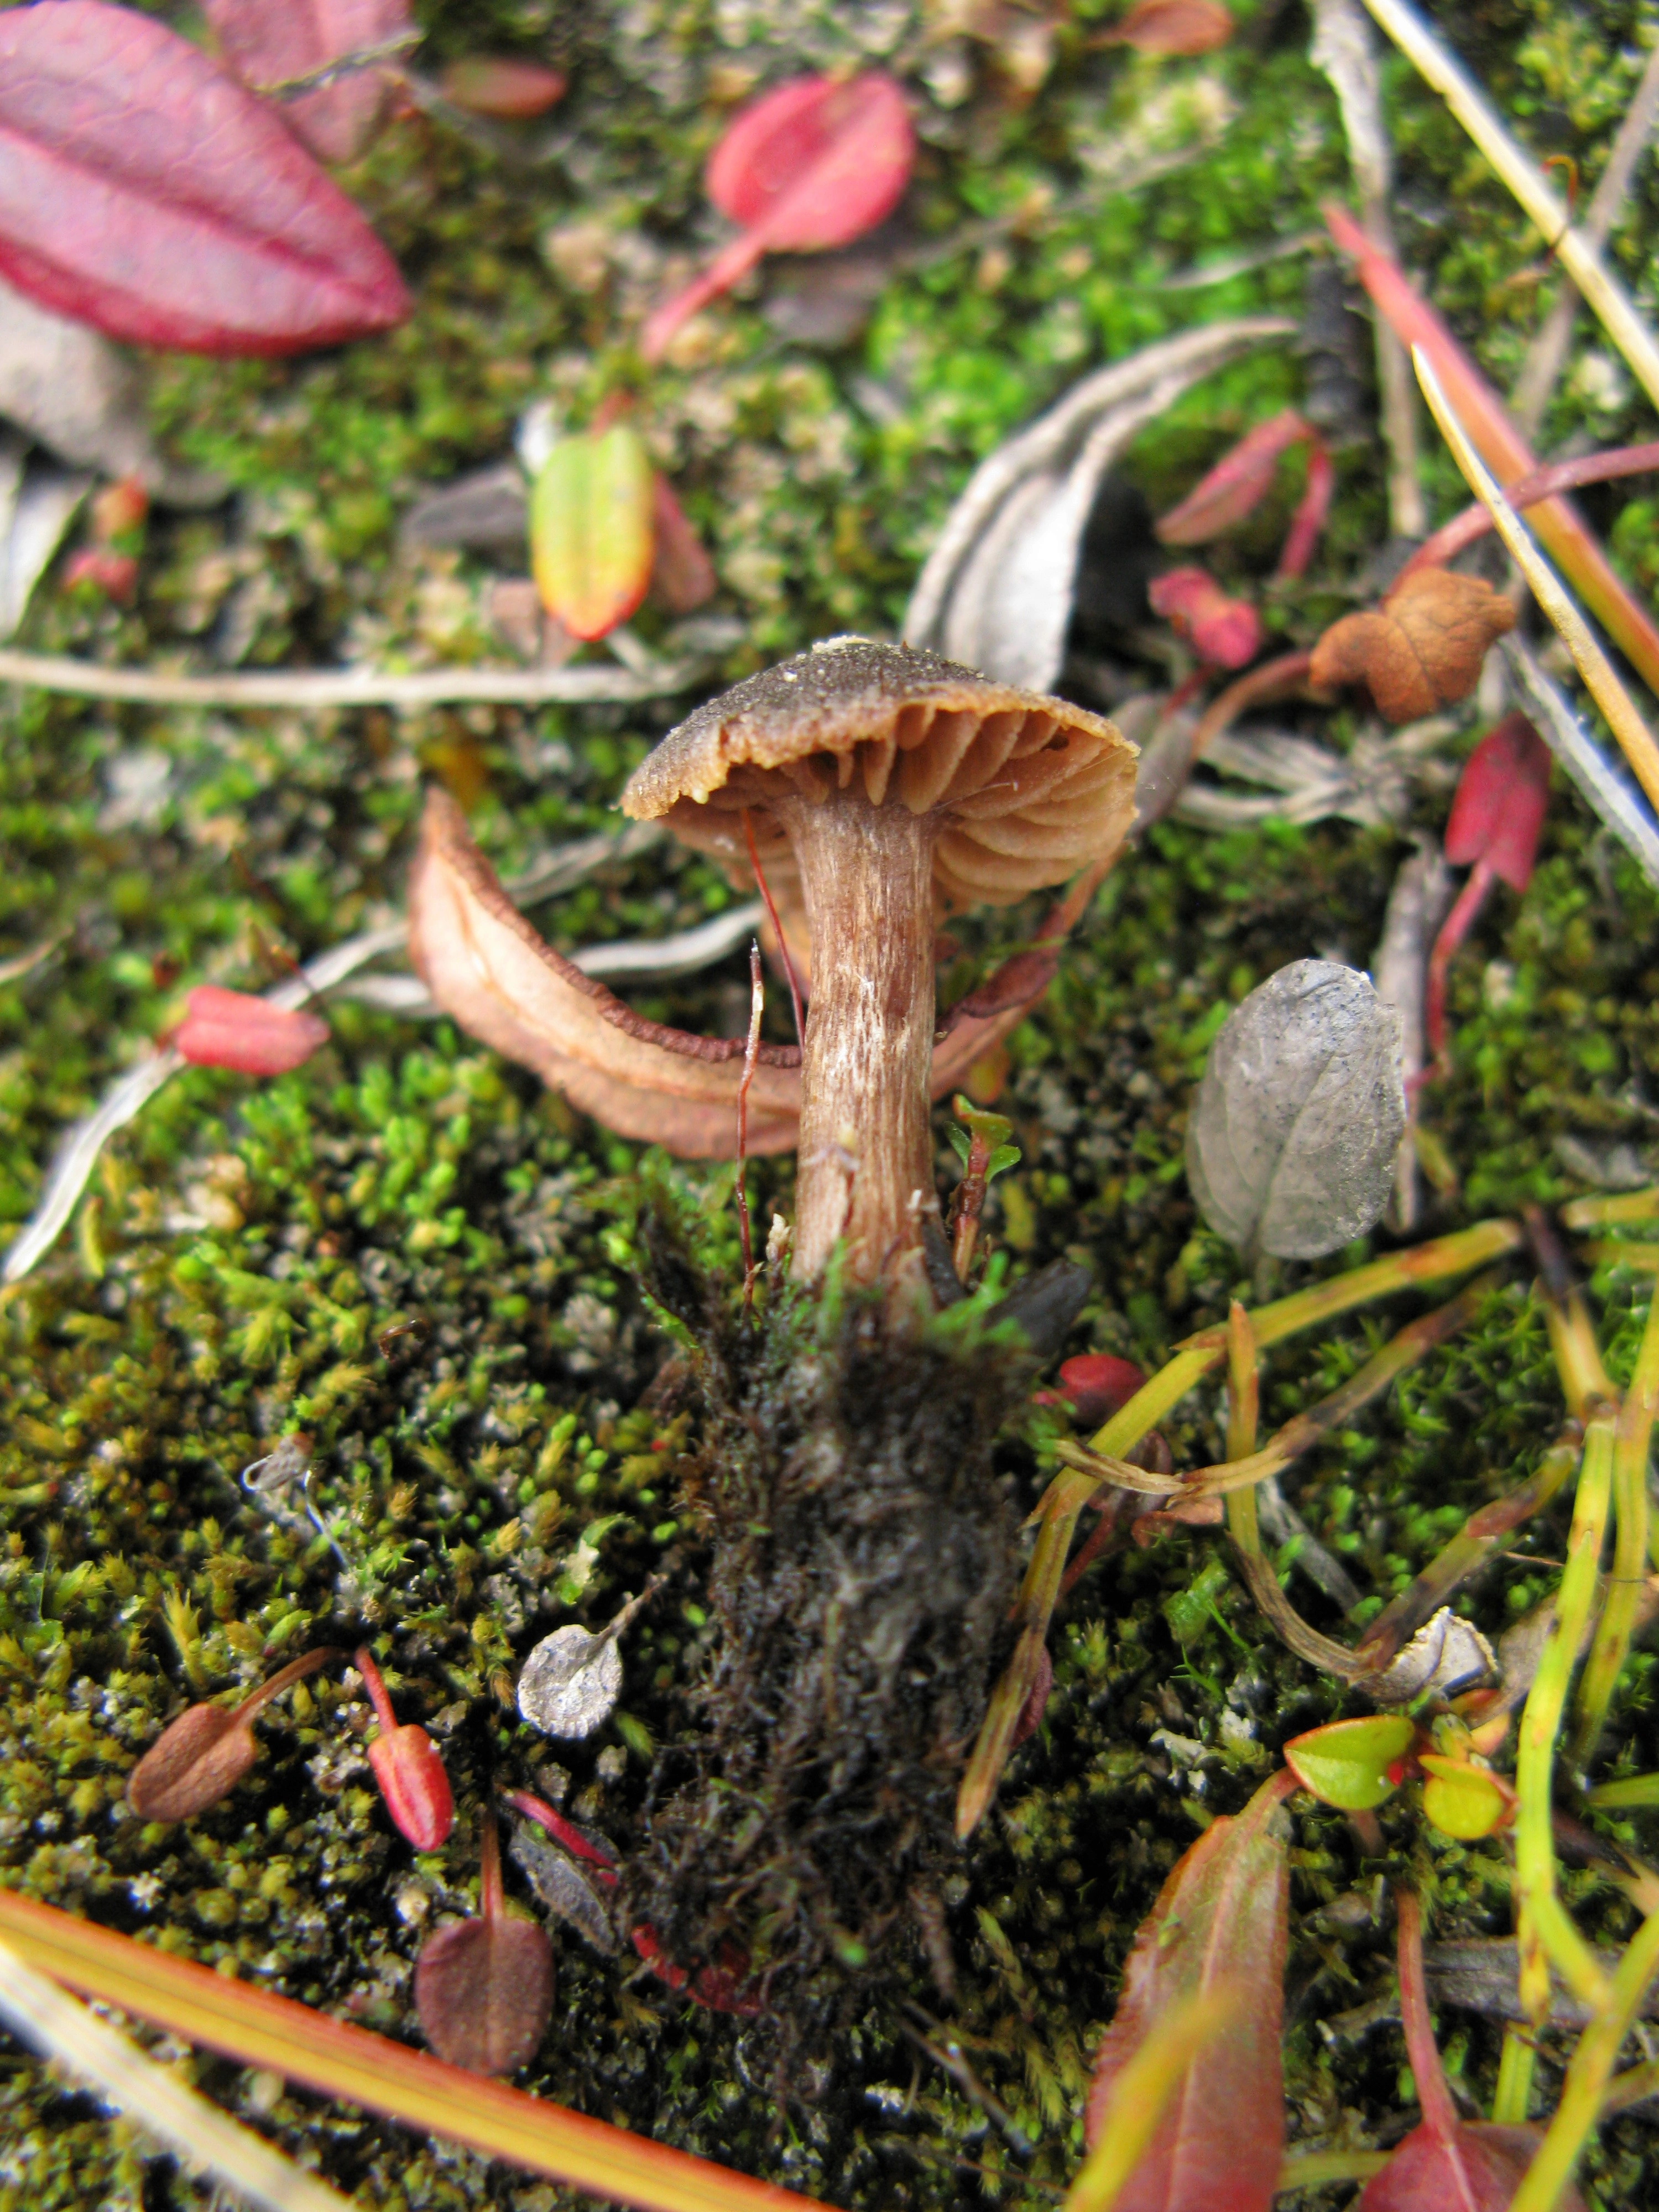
(1455,928)
(777,926)
(407,1767)
(756,1008)
(1433,2097)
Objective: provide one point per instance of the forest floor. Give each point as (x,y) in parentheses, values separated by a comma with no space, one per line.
(243,1243)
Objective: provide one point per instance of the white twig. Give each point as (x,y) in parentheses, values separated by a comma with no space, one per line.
(153,2096)
(1342,49)
(1573,249)
(1600,677)
(309,689)
(1548,350)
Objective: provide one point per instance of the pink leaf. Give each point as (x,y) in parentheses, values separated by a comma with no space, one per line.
(1173,27)
(682,574)
(812,166)
(1094,1384)
(1309,517)
(145,192)
(1221,1921)
(1236,485)
(1498,809)
(1226,632)
(268,42)
(232,1029)
(1555,522)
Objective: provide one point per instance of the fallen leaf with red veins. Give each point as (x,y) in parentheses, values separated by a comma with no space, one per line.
(1226,633)
(483,1988)
(234,1029)
(270,42)
(682,574)
(811,167)
(1421,649)
(1173,27)
(488,969)
(200,1757)
(510,90)
(143,190)
(1221,1923)
(407,1767)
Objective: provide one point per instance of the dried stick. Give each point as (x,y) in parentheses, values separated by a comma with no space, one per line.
(1548,350)
(1342,49)
(309,690)
(153,2097)
(1597,671)
(1607,297)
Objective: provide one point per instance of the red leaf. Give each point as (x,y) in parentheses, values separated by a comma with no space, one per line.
(501,85)
(406,1766)
(1221,1921)
(200,1757)
(1226,632)
(268,42)
(682,574)
(483,1988)
(1236,485)
(234,1029)
(1498,809)
(1309,517)
(812,166)
(1175,27)
(143,191)
(1095,1385)
(577,1841)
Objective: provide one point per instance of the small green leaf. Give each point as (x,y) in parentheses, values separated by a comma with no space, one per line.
(1463,1802)
(591,531)
(960,1141)
(1346,1764)
(1005,1155)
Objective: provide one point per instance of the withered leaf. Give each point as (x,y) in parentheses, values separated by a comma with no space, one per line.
(1421,649)
(1291,1142)
(562,1887)
(483,1988)
(1175,27)
(203,1755)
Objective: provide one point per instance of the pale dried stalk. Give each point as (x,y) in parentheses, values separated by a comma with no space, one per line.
(153,2096)
(1548,350)
(1597,671)
(309,690)
(1576,254)
(1342,49)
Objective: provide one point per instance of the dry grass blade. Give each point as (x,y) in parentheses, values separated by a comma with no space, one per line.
(1606,297)
(335,2059)
(153,2096)
(1597,671)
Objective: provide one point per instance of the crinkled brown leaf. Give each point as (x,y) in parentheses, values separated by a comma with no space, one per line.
(1421,649)
(488,969)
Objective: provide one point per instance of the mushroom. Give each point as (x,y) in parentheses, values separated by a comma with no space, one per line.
(891,786)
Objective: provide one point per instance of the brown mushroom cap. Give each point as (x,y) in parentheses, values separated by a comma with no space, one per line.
(1031,789)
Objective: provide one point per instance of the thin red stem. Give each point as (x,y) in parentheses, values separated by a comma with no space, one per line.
(295,1670)
(1455,536)
(777,926)
(757,1007)
(375,1685)
(1455,928)
(492,1898)
(1435,2099)
(1273,679)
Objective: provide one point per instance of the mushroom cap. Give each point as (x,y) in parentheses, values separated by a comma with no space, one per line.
(1029,788)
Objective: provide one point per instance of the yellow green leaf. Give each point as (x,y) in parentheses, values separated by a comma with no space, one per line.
(591,529)
(1463,1802)
(1346,1764)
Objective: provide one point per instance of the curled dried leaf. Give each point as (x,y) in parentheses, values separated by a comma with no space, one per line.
(570,1683)
(1420,650)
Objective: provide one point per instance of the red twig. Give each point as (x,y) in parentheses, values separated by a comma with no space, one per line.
(757,1007)
(1455,536)
(1455,928)
(777,926)
(1433,2097)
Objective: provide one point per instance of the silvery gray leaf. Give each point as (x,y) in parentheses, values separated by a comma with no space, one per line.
(1292,1141)
(562,1886)
(1447,1654)
(82,398)
(997,590)
(1300,781)
(38,501)
(488,509)
(571,1682)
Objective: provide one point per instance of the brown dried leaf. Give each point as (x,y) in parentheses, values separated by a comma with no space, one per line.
(1175,27)
(483,1990)
(192,1765)
(488,969)
(1421,649)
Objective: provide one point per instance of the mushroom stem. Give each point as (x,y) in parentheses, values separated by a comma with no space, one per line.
(866,873)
